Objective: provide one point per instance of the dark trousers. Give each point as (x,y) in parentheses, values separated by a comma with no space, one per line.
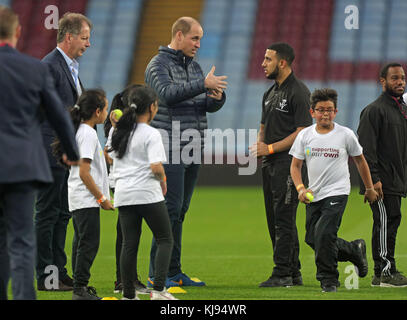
(181,181)
(386,221)
(281,201)
(322,224)
(156,216)
(17,240)
(51,222)
(118,248)
(119,243)
(85,245)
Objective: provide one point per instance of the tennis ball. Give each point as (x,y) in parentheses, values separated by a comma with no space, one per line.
(309,196)
(117,113)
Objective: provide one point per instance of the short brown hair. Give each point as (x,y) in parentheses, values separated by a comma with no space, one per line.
(325,94)
(8,22)
(71,23)
(183,24)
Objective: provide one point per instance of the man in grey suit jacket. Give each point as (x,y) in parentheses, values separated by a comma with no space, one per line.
(27,95)
(52,214)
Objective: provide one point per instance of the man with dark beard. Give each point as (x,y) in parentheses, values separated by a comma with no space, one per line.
(285,112)
(382,133)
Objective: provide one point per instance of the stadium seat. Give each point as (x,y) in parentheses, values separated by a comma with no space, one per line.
(230,52)
(340,71)
(344,90)
(365,92)
(5,3)
(93,61)
(251,107)
(397,25)
(125,20)
(35,39)
(342,41)
(372,24)
(367,71)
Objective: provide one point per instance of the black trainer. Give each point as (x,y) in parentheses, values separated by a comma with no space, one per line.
(329,288)
(85,293)
(395,280)
(375,281)
(275,281)
(361,260)
(118,287)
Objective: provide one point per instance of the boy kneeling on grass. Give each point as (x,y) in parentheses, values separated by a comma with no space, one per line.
(325,147)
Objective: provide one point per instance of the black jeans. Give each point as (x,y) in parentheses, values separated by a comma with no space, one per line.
(156,217)
(281,201)
(85,245)
(51,222)
(17,240)
(322,224)
(386,221)
(181,181)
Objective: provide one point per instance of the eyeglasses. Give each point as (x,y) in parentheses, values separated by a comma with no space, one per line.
(322,111)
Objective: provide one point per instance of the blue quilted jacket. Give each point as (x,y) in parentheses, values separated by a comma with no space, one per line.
(179,83)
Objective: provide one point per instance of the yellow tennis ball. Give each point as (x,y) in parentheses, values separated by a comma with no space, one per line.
(309,196)
(117,113)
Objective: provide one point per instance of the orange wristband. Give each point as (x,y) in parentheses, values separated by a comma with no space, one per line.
(165,179)
(271,151)
(102,199)
(300,186)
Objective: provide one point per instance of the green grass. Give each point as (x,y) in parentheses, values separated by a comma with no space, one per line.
(226,244)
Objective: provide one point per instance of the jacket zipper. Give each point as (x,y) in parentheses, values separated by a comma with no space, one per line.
(196,111)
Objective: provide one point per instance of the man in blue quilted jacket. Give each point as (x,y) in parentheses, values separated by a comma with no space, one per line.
(185,96)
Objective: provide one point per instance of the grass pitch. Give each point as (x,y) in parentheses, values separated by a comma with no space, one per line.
(226,244)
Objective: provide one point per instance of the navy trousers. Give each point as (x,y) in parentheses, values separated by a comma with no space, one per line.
(51,222)
(17,240)
(181,181)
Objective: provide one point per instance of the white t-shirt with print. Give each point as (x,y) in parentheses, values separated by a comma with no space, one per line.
(135,182)
(326,156)
(79,197)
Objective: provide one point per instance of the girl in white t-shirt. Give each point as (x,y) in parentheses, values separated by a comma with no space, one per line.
(140,186)
(88,189)
(326,147)
(119,102)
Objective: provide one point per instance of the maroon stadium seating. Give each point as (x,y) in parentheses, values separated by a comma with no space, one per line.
(304,24)
(36,40)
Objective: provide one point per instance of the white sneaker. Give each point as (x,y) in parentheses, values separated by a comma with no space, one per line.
(161,295)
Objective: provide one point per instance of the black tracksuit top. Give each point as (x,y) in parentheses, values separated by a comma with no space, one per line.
(383,135)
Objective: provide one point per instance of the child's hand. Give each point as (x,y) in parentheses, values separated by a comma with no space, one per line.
(107,205)
(113,119)
(302,195)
